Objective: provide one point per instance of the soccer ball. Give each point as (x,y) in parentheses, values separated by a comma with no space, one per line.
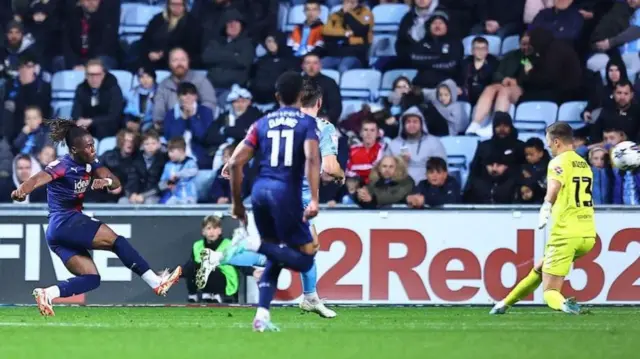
(625,156)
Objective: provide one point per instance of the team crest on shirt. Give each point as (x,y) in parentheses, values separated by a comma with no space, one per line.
(88,169)
(557,170)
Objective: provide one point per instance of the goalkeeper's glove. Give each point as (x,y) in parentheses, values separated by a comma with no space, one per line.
(545,212)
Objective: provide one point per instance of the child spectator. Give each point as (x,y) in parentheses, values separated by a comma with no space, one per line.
(177,179)
(537,160)
(477,70)
(613,136)
(139,109)
(307,37)
(445,116)
(351,183)
(439,188)
(46,155)
(221,188)
(191,120)
(363,156)
(145,172)
(580,144)
(601,189)
(529,192)
(223,281)
(33,136)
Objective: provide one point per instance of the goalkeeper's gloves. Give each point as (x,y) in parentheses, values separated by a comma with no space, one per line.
(545,212)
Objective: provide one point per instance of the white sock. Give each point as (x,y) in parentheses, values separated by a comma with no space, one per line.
(254,244)
(151,278)
(193,297)
(53,292)
(312,297)
(263,314)
(473,127)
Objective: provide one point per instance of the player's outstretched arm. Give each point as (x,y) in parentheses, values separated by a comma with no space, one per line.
(37,180)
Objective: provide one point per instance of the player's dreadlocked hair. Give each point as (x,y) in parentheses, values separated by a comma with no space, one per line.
(64,130)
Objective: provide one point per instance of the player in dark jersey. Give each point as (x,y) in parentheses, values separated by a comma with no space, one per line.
(71,234)
(287,141)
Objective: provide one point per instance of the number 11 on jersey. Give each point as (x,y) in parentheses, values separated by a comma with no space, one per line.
(275,136)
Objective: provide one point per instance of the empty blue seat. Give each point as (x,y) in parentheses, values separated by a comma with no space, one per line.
(349,107)
(494,44)
(510,43)
(334,74)
(360,83)
(390,76)
(125,79)
(571,113)
(296,16)
(535,116)
(387,17)
(466,107)
(64,84)
(383,45)
(524,136)
(62,109)
(106,144)
(460,151)
(136,19)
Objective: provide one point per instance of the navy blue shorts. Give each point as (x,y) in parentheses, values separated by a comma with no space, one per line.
(278,214)
(70,235)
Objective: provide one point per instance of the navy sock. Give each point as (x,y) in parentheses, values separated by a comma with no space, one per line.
(289,258)
(129,256)
(268,284)
(78,285)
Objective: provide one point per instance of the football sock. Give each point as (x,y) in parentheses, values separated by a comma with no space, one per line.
(554,299)
(130,257)
(309,279)
(76,285)
(268,284)
(151,278)
(289,258)
(247,259)
(53,292)
(526,286)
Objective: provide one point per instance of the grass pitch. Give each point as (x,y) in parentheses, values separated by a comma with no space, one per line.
(389,333)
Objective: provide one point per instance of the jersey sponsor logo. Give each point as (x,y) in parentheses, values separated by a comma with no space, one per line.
(557,170)
(80,186)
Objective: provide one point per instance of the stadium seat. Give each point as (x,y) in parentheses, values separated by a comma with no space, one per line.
(283,10)
(390,76)
(62,109)
(360,83)
(570,112)
(510,43)
(387,17)
(383,45)
(126,8)
(203,181)
(524,136)
(535,116)
(494,44)
(125,79)
(350,106)
(460,151)
(106,144)
(63,85)
(296,16)
(334,74)
(466,107)
(136,19)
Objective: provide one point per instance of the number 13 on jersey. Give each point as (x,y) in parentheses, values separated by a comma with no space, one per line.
(582,191)
(276,148)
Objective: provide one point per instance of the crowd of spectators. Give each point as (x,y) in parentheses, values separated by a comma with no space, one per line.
(223,57)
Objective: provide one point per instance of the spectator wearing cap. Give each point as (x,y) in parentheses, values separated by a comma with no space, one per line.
(139,109)
(232,125)
(188,116)
(438,189)
(269,67)
(563,20)
(495,185)
(389,183)
(307,37)
(229,57)
(17,44)
(414,144)
(413,30)
(499,17)
(89,32)
(98,102)
(438,55)
(166,96)
(348,34)
(28,89)
(331,98)
(171,28)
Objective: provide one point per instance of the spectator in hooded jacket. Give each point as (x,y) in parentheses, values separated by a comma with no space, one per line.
(477,70)
(34,135)
(412,30)
(624,115)
(499,17)
(331,98)
(496,184)
(438,55)
(144,174)
(89,32)
(414,144)
(438,189)
(602,95)
(189,115)
(119,161)
(529,192)
(388,184)
(230,56)
(232,126)
(171,28)
(445,112)
(269,67)
(25,166)
(98,102)
(307,37)
(17,44)
(348,34)
(139,110)
(563,20)
(28,89)
(166,96)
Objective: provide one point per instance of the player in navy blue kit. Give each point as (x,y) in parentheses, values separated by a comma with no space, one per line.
(287,141)
(70,233)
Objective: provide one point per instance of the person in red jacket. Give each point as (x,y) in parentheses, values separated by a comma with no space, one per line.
(363,156)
